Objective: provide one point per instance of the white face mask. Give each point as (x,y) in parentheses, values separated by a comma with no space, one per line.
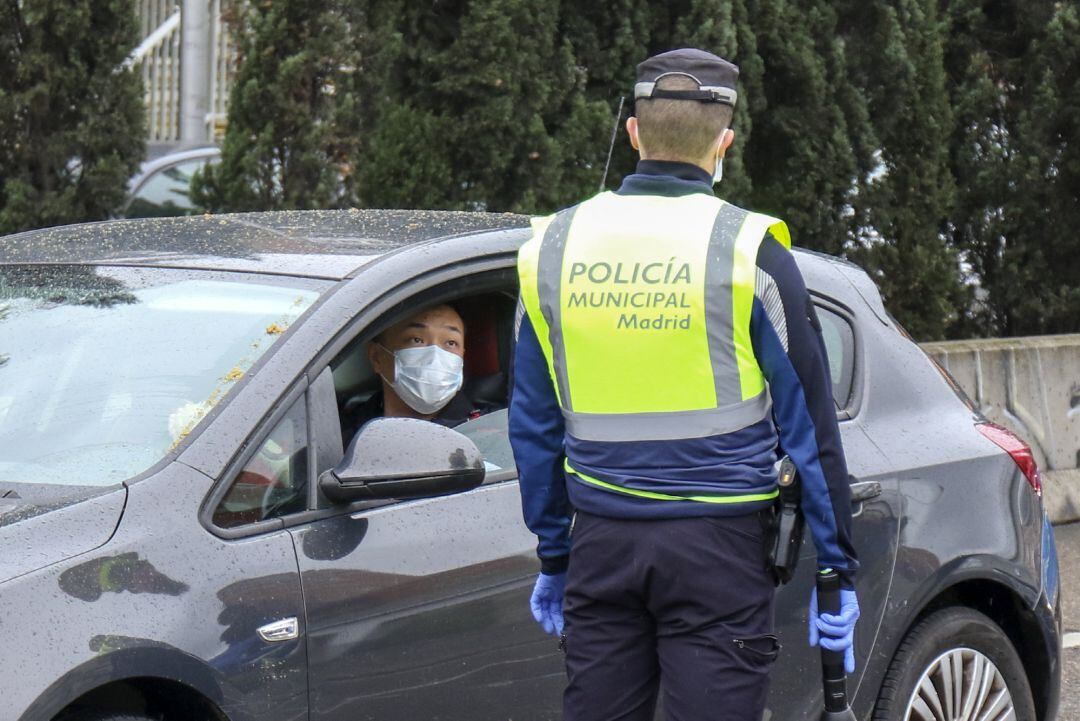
(427,377)
(718,174)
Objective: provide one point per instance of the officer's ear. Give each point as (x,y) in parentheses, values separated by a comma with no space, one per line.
(727,137)
(632,131)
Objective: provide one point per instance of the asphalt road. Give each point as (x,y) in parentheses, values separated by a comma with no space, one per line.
(1068,545)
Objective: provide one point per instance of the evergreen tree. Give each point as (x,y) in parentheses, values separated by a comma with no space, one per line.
(608,40)
(810,142)
(985,59)
(1014,66)
(294,111)
(906,137)
(71,115)
(1038,291)
(492,114)
(906,204)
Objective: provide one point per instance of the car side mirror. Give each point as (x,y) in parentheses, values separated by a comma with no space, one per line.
(403,458)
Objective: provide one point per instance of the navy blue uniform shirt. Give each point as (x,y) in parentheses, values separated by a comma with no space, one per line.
(787,342)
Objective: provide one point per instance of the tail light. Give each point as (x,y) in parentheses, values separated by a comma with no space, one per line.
(1019,451)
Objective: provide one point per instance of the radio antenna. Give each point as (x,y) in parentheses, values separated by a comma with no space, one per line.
(611,146)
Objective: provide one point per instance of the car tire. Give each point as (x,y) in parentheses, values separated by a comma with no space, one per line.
(922,679)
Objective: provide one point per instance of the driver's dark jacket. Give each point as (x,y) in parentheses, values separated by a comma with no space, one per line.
(460,409)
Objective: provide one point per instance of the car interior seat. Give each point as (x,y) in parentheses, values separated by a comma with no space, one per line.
(489,328)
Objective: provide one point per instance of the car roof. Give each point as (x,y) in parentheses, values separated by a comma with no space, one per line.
(328,244)
(313,243)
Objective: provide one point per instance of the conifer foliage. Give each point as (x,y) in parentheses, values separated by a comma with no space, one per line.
(1017,162)
(1047,206)
(487,111)
(71,115)
(293,109)
(932,142)
(908,197)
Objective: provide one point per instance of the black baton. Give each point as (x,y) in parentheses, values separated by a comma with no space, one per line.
(833,678)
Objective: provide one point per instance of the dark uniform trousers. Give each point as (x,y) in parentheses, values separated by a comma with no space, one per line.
(682,604)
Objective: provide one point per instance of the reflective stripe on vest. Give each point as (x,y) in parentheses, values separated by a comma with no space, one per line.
(642,307)
(734,498)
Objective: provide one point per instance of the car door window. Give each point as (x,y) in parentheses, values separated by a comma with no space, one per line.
(840,349)
(273,482)
(491,435)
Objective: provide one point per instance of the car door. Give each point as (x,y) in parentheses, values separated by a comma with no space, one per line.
(261,654)
(419,609)
(795,692)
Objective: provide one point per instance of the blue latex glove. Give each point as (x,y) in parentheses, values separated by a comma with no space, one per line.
(836,632)
(546,602)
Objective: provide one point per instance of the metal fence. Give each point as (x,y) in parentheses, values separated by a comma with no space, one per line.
(158,58)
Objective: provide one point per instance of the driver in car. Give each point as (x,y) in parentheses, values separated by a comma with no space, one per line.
(420,361)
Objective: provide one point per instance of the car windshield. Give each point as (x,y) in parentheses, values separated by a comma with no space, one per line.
(103,371)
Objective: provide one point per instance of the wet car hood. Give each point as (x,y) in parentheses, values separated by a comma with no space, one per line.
(41,527)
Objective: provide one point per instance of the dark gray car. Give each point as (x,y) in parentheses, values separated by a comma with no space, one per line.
(186,537)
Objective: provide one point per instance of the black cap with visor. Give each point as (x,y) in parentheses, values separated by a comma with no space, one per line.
(714,76)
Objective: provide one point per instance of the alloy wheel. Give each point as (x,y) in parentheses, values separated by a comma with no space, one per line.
(961,684)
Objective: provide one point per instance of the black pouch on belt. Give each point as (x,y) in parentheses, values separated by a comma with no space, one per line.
(783,537)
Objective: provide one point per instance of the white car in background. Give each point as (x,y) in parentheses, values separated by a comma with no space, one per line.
(162,187)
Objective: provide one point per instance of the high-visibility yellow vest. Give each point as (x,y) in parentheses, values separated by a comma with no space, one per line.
(642,307)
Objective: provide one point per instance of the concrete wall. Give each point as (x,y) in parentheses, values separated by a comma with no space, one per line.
(1032,386)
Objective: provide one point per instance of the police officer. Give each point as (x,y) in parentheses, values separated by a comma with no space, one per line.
(666,346)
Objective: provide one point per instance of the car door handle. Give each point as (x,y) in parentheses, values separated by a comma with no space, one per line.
(864,491)
(284,630)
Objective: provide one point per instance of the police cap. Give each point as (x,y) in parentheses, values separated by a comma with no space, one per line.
(715,76)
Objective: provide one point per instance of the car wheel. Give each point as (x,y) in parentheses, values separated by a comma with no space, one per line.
(955,664)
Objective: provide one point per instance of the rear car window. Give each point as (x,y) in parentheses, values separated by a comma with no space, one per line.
(840,348)
(103,371)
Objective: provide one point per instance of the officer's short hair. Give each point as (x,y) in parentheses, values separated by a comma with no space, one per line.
(679,129)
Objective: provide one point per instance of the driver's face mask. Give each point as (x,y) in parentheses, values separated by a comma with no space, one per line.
(426,377)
